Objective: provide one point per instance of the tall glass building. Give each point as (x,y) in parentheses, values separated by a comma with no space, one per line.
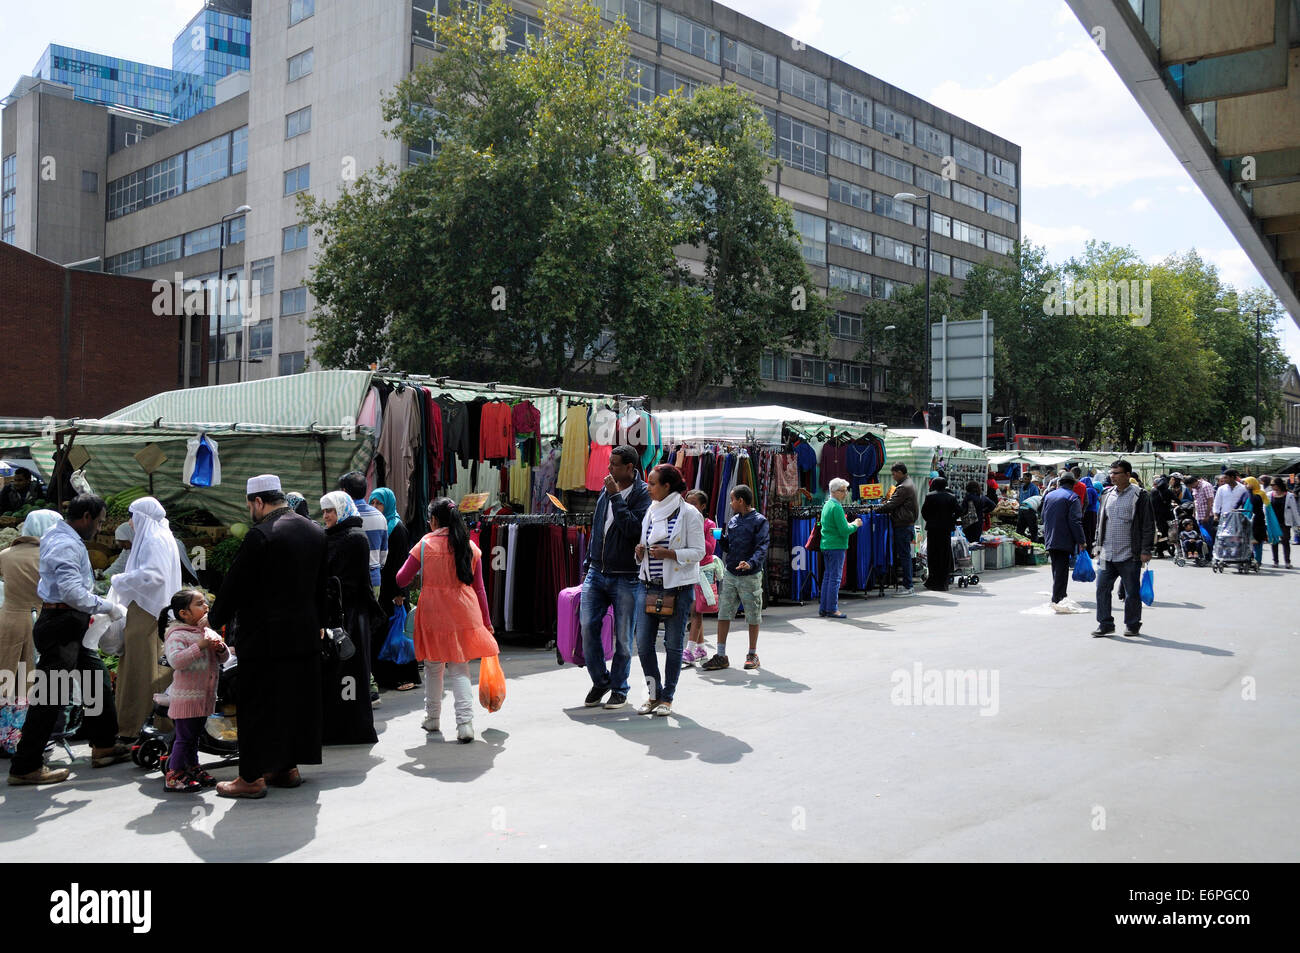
(108,80)
(213,45)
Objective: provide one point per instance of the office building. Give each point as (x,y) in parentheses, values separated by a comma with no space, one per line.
(108,80)
(213,45)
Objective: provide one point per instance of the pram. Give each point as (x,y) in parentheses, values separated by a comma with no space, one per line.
(220,735)
(1234,543)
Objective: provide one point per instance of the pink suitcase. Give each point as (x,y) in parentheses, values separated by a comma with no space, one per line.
(568,633)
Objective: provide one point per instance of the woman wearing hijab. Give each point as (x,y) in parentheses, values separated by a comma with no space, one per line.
(20,568)
(297,503)
(1259,520)
(123,536)
(941,511)
(345,698)
(152,576)
(391,595)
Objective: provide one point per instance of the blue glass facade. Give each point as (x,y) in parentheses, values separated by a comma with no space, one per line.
(212,45)
(108,80)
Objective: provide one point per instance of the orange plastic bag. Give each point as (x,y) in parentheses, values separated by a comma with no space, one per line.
(491,683)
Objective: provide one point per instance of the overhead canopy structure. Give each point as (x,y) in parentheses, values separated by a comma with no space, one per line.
(746,424)
(1281,460)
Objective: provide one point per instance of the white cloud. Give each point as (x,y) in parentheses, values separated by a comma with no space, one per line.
(1234,267)
(1141,205)
(1061,241)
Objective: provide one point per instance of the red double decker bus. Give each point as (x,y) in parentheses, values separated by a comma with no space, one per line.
(1031,441)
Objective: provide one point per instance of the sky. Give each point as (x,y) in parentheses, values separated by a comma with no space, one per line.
(1092,166)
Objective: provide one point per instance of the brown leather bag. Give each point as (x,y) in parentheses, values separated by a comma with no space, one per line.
(660,602)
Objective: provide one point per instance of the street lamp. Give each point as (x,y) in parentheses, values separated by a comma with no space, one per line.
(871,369)
(221,278)
(913,197)
(1259,357)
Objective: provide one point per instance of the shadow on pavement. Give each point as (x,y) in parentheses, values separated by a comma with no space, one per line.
(759,678)
(442,758)
(675,738)
(1144,639)
(24,809)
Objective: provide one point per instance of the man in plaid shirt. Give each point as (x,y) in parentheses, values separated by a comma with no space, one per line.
(1203,499)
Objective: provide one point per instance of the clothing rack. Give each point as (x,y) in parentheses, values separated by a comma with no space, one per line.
(496,387)
(541,519)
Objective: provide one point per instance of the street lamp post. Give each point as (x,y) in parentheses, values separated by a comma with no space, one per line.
(221,278)
(871,369)
(913,197)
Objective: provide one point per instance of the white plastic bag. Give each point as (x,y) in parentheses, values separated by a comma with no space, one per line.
(105,634)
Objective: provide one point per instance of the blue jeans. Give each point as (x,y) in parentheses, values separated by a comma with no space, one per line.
(1130,573)
(903,553)
(647,635)
(833,572)
(599,592)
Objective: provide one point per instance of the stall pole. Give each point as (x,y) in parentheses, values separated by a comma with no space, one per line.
(984,381)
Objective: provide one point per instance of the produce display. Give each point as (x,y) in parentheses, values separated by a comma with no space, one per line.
(222,556)
(7,536)
(119,503)
(21,513)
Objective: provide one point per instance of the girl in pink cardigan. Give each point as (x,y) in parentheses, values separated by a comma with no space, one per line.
(195,654)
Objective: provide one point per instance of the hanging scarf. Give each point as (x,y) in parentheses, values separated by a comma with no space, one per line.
(153,568)
(340,503)
(387,505)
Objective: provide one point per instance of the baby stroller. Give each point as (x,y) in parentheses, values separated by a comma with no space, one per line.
(961,562)
(1181,548)
(220,736)
(1234,544)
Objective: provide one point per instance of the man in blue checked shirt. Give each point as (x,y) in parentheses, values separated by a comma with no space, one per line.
(67,602)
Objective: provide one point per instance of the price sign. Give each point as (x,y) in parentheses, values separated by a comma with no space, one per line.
(473,502)
(871,491)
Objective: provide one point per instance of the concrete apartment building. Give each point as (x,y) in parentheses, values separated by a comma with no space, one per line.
(847,141)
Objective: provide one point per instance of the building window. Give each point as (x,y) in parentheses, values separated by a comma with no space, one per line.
(886,206)
(893,123)
(292,362)
(850,194)
(670,81)
(642,76)
(8,200)
(847,279)
(941,225)
(293,238)
(845,102)
(965,232)
(260,338)
(300,65)
(689,36)
(893,249)
(159,253)
(774,367)
(748,61)
(932,182)
(524,31)
(207,162)
(940,264)
(894,168)
(812,235)
(968,196)
(203,239)
(9,175)
(296,123)
(297,179)
(293,301)
(845,374)
(300,10)
(807,370)
(932,140)
(1001,209)
(1000,244)
(262,274)
(850,151)
(961,268)
(163,181)
(90,182)
(1002,170)
(799,82)
(859,239)
(640,14)
(847,327)
(968,156)
(239,150)
(800,145)
(884,288)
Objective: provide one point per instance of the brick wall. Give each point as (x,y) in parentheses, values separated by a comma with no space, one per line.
(81,344)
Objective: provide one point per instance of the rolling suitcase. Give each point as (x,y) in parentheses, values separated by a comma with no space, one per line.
(568,630)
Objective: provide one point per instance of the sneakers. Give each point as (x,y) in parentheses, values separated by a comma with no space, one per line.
(663,710)
(616,700)
(694,652)
(1131,631)
(906,592)
(206,780)
(1102,631)
(103,757)
(180,782)
(751,661)
(648,708)
(430,724)
(594,698)
(42,775)
(700,653)
(716,663)
(465,732)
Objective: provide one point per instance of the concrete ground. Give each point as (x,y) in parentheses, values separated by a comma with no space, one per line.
(1179,745)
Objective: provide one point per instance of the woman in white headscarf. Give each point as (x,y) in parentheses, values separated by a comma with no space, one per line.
(123,536)
(152,576)
(20,568)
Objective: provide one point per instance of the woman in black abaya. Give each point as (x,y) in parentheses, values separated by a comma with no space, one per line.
(345,696)
(941,512)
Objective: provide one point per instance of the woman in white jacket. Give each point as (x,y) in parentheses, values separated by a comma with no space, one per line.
(669,554)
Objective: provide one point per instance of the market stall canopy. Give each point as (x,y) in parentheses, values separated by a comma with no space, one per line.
(1259,461)
(761,424)
(933,438)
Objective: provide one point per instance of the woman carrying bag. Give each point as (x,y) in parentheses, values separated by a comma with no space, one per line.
(452,622)
(20,569)
(668,557)
(346,708)
(941,511)
(388,674)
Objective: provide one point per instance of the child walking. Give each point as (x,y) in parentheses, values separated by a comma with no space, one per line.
(195,654)
(694,651)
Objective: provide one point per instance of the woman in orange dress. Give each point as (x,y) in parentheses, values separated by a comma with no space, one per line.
(452,624)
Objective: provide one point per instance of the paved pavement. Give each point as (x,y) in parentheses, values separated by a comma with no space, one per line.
(1179,745)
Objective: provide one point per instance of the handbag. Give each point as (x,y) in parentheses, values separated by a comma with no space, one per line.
(814,542)
(659,601)
(13,715)
(337,646)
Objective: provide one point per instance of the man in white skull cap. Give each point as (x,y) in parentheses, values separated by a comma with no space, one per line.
(275,593)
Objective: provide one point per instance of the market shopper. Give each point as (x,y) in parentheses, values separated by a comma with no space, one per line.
(694,650)
(1203,503)
(345,698)
(195,654)
(744,545)
(20,570)
(1287,510)
(22,490)
(668,556)
(67,602)
(388,674)
(275,591)
(611,575)
(903,509)
(452,623)
(1125,537)
(373,523)
(1259,508)
(835,533)
(145,587)
(1062,533)
(941,511)
(1231,495)
(975,510)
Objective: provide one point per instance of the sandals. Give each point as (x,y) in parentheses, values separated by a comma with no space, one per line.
(406,687)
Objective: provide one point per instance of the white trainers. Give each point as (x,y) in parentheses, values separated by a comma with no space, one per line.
(430,724)
(905,592)
(465,732)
